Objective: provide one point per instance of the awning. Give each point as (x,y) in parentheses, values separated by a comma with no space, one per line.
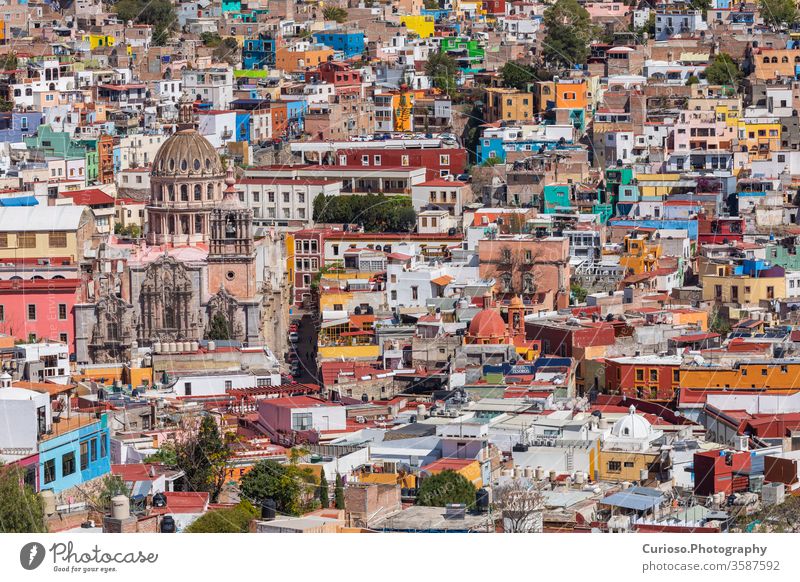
(443,280)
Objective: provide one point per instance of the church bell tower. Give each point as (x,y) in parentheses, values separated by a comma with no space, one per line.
(231,253)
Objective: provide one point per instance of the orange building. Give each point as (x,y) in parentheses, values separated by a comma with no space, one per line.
(773,63)
(290,60)
(561,94)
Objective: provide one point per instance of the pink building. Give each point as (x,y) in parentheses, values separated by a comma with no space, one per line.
(40,309)
(285,418)
(702,130)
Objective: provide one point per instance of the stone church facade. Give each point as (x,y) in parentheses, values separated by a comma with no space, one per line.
(195,278)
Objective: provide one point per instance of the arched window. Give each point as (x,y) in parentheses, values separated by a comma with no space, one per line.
(775,60)
(528,285)
(784,59)
(198,192)
(171,192)
(210,192)
(766,60)
(184,193)
(171,225)
(198,223)
(505,282)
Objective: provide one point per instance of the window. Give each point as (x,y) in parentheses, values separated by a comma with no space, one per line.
(654,375)
(640,375)
(414,292)
(302,421)
(93,449)
(63,338)
(84,455)
(629,464)
(31,312)
(4,241)
(62,311)
(49,471)
(444,160)
(68,463)
(676,376)
(614,466)
(228,384)
(2,312)
(187,388)
(26,240)
(103,446)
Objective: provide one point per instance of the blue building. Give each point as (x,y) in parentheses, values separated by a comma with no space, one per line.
(258,53)
(15,125)
(74,454)
(243,126)
(349,43)
(295,117)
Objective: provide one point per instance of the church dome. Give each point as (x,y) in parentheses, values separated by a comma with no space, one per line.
(487,323)
(632,426)
(187,154)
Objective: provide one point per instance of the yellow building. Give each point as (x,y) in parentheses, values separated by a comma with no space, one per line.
(45,232)
(508,105)
(470,469)
(98,40)
(626,465)
(759,136)
(744,285)
(423,26)
(760,375)
(656,185)
(639,255)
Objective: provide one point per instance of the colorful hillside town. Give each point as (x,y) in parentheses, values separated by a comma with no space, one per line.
(292,266)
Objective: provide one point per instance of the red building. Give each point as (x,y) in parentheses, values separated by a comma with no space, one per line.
(338,74)
(719,230)
(495,7)
(39,309)
(721,472)
(308,259)
(438,161)
(644,377)
(570,340)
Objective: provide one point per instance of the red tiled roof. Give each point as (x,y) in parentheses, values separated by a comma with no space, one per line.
(89,197)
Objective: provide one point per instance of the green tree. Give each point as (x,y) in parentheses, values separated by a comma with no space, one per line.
(431,4)
(219,328)
(227,51)
(569,33)
(692,80)
(231,520)
(442,69)
(6,105)
(211,39)
(323,491)
(578,292)
(203,456)
(166,455)
(702,5)
(723,70)
(112,486)
(335,13)
(778,12)
(160,14)
(518,75)
(718,323)
(338,492)
(21,509)
(376,212)
(8,62)
(446,487)
(291,487)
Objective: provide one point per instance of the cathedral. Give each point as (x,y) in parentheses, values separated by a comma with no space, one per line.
(194,276)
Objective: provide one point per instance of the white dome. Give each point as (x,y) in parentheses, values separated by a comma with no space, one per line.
(632,426)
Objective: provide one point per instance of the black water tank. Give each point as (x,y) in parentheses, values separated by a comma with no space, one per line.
(482,500)
(159,500)
(519,448)
(268,509)
(364,398)
(168,524)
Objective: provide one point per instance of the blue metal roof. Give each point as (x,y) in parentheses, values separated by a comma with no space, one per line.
(631,499)
(19,201)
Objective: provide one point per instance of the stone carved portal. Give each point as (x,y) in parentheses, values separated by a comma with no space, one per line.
(166,303)
(112,333)
(224,306)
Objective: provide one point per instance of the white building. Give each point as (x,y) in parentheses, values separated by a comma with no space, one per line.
(218,127)
(214,86)
(276,201)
